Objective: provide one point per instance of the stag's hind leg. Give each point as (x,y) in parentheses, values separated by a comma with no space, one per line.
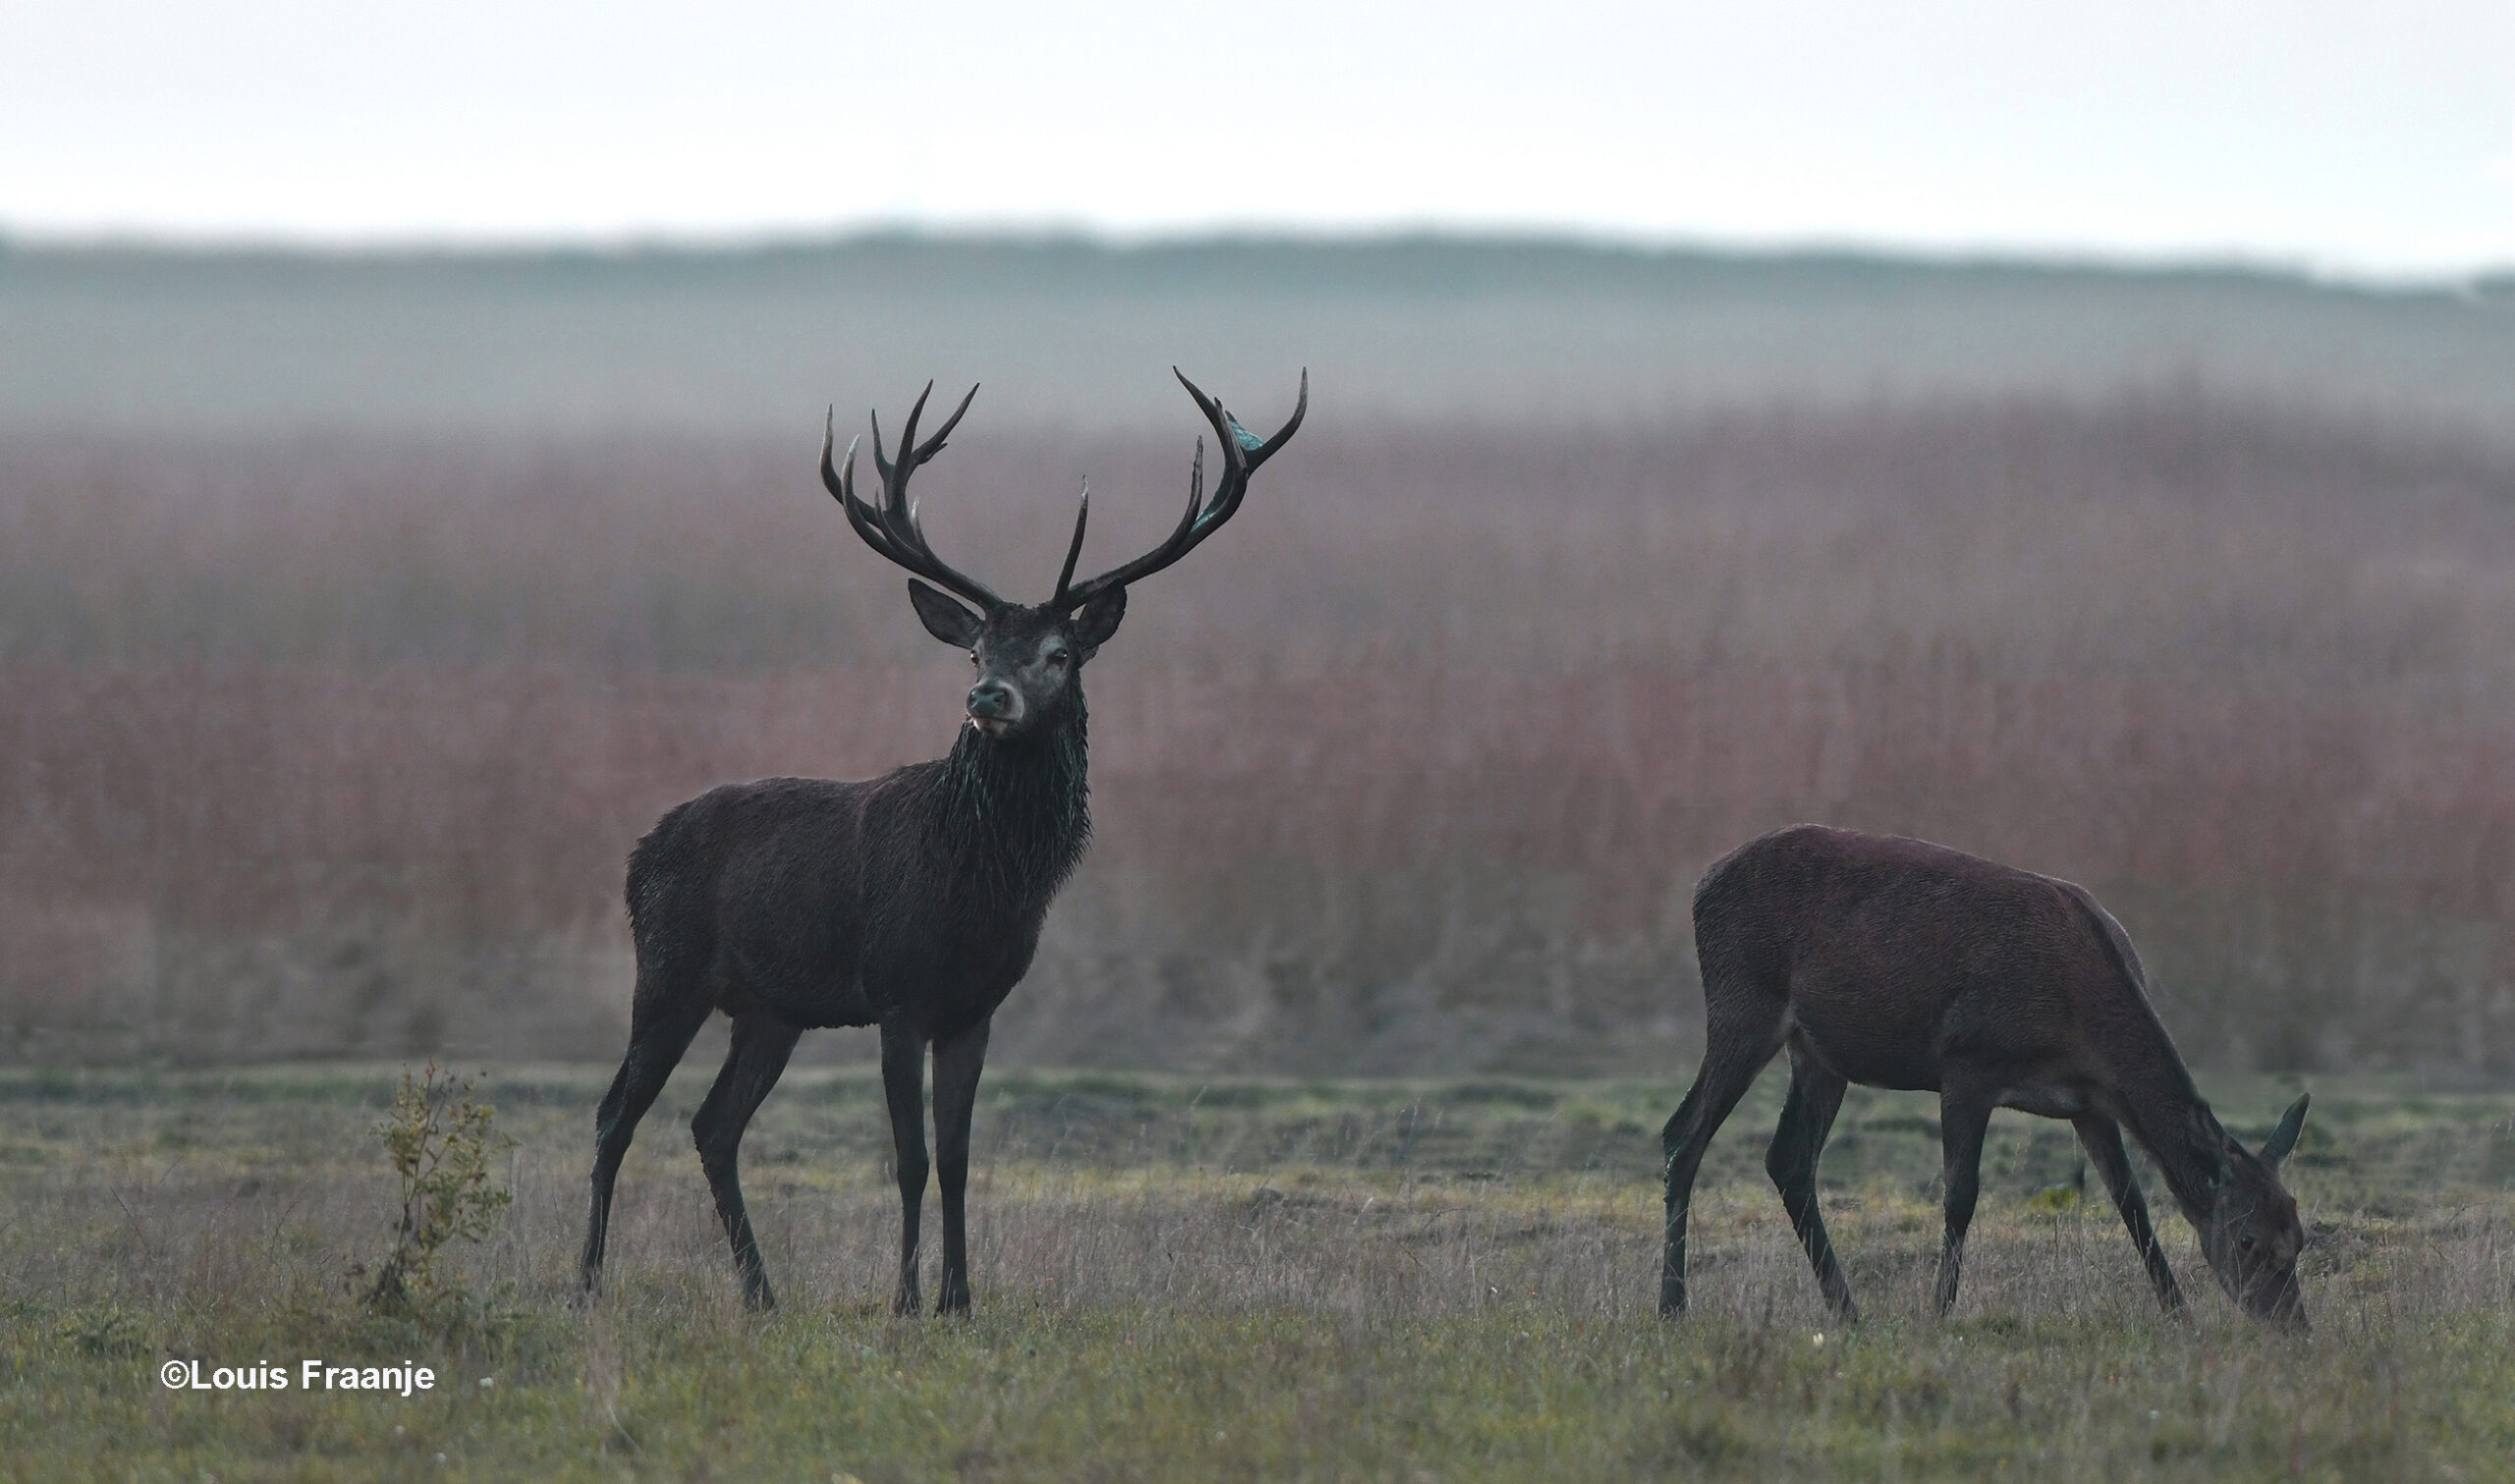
(761,1044)
(2102,1137)
(1815,1096)
(660,1029)
(1741,1038)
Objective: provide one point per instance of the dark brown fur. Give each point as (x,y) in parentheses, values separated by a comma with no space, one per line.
(913,901)
(1894,962)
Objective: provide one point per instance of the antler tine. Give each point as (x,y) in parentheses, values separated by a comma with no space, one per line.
(842,484)
(1236,445)
(892,528)
(862,518)
(1065,576)
(1196,505)
(895,476)
(908,430)
(935,445)
(913,456)
(1284,434)
(1242,453)
(881,461)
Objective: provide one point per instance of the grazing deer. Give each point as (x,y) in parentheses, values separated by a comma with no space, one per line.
(1893,963)
(912,901)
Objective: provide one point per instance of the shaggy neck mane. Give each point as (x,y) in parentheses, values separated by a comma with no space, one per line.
(1013,817)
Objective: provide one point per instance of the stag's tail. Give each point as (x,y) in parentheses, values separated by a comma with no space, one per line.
(648,871)
(670,934)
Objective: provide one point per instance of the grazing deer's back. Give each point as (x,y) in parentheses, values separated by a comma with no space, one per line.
(1893,954)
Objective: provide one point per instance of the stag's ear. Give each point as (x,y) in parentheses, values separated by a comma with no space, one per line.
(1100,619)
(943,618)
(2283,1139)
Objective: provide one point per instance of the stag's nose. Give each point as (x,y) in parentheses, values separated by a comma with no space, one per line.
(992,700)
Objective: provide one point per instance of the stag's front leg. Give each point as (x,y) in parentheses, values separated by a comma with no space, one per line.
(1964,1116)
(904,1087)
(956,1090)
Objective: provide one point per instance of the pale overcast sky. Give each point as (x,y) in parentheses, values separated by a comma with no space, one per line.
(2359,138)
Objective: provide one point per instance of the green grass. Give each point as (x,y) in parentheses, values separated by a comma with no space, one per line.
(1229,1279)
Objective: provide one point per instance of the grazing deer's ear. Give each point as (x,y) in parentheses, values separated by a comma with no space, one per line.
(2283,1139)
(2210,1143)
(1100,619)
(943,618)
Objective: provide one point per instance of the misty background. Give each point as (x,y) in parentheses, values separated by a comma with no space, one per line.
(358,610)
(2080,436)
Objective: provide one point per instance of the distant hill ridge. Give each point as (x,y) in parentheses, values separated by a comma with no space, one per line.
(126,339)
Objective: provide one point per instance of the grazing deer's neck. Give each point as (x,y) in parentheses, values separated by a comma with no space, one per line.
(2165,1112)
(1015,817)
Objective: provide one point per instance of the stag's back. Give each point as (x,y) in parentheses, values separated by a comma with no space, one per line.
(761,883)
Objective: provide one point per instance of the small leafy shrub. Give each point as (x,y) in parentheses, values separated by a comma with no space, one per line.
(441,1143)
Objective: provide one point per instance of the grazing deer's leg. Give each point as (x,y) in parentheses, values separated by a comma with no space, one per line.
(658,1036)
(2102,1137)
(761,1044)
(904,1086)
(1729,1069)
(956,1089)
(1964,1116)
(1815,1096)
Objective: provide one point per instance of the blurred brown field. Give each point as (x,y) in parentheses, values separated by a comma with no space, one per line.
(334,743)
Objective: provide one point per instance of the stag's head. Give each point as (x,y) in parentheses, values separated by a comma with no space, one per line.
(2251,1234)
(1029,657)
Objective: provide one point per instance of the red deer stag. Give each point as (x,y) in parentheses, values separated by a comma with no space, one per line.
(912,901)
(1893,963)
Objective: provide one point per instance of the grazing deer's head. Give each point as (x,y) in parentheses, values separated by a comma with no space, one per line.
(1027,656)
(2251,1234)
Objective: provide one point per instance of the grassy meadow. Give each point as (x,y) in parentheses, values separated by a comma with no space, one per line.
(1180,1277)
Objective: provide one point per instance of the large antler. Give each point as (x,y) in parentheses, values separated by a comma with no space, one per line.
(1242,451)
(892,528)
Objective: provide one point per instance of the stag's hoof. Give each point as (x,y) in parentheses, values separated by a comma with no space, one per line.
(1672,1287)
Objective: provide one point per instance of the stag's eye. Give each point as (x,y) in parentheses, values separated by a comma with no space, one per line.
(974,659)
(2246,1242)
(1058,658)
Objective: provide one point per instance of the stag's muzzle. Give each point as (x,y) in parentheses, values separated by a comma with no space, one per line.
(995,708)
